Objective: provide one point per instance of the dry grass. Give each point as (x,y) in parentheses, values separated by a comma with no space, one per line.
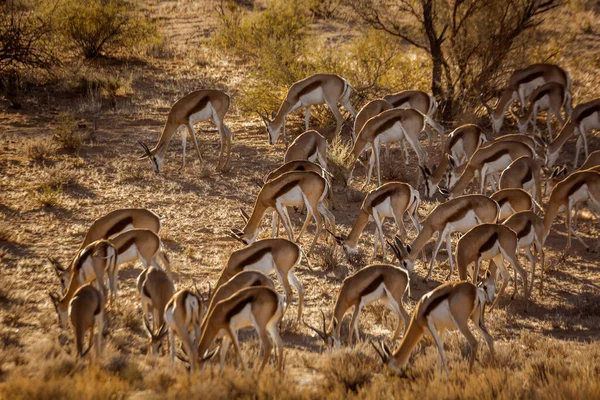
(39,149)
(546,349)
(66,133)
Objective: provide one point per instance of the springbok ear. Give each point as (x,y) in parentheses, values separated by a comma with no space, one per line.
(408,248)
(273,115)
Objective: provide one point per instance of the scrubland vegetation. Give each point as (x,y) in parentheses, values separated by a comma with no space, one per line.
(81,82)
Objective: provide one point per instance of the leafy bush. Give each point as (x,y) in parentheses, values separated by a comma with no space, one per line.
(98,27)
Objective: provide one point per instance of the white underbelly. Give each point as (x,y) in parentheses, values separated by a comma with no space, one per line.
(293,197)
(580,195)
(373,296)
(491,253)
(526,240)
(392,135)
(442,317)
(202,115)
(242,319)
(529,87)
(129,255)
(506,211)
(127,228)
(464,224)
(499,164)
(458,151)
(384,209)
(266,264)
(312,98)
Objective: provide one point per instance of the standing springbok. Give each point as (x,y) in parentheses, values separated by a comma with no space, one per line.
(86,310)
(200,105)
(585,117)
(388,127)
(132,245)
(391,200)
(260,307)
(488,160)
(513,201)
(155,289)
(314,90)
(525,173)
(374,282)
(529,228)
(94,261)
(493,242)
(448,306)
(119,221)
(456,215)
(289,189)
(550,97)
(579,187)
(267,256)
(458,148)
(521,84)
(369,110)
(420,101)
(183,315)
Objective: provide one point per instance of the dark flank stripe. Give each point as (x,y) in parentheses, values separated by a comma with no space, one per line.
(453,140)
(434,303)
(458,214)
(502,200)
(388,124)
(489,243)
(372,286)
(496,156)
(313,149)
(238,307)
(575,187)
(126,246)
(82,256)
(254,257)
(286,188)
(309,88)
(256,283)
(525,231)
(530,77)
(541,94)
(589,111)
(401,100)
(119,226)
(527,176)
(200,105)
(381,197)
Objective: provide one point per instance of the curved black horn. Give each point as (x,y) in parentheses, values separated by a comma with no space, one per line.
(146,150)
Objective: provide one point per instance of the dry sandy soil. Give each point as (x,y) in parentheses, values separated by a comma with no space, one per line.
(547,347)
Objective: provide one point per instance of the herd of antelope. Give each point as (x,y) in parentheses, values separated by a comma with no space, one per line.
(494,228)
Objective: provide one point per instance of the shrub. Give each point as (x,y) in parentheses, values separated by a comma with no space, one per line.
(39,149)
(48,196)
(66,133)
(25,36)
(99,27)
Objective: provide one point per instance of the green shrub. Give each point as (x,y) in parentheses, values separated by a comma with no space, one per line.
(99,27)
